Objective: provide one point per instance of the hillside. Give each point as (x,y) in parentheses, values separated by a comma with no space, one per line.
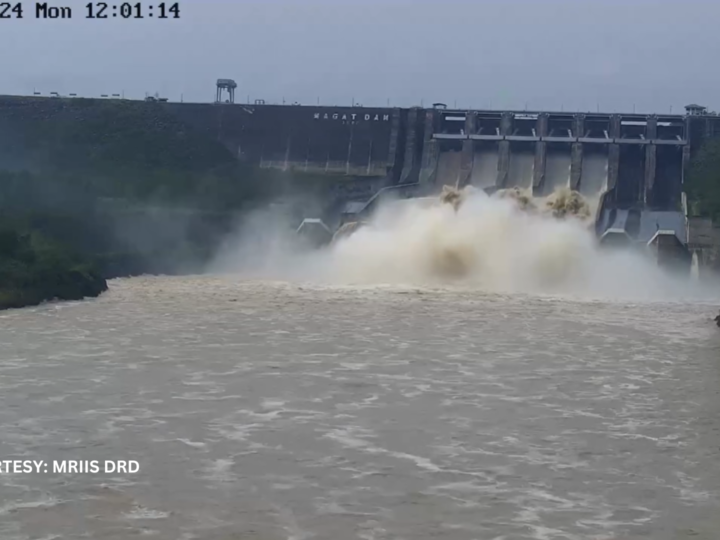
(127,185)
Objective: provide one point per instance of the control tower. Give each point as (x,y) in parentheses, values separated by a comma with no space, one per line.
(228,85)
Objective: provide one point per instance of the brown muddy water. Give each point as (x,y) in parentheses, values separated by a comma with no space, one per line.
(270,410)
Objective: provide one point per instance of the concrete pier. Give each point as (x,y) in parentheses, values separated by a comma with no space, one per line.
(504,151)
(409,168)
(576,165)
(540,154)
(539,167)
(430,154)
(650,160)
(468,153)
(576,151)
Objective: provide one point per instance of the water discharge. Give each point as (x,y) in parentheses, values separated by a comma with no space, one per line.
(508,242)
(449,167)
(485,168)
(557,171)
(594,174)
(520,171)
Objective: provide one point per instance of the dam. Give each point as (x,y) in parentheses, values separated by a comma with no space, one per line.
(631,165)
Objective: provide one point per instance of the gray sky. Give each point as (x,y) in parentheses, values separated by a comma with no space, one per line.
(543,54)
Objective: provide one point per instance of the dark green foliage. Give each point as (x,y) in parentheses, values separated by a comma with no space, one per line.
(134,150)
(81,134)
(124,187)
(34,269)
(703,181)
(116,148)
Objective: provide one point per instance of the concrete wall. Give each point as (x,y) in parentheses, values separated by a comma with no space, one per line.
(351,141)
(639,160)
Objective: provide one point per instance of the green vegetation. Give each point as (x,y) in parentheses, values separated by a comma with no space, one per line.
(34,269)
(129,150)
(95,189)
(135,151)
(703,181)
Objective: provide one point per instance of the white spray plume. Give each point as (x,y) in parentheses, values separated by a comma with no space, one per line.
(487,243)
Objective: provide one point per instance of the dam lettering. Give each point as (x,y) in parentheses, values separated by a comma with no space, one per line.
(352,117)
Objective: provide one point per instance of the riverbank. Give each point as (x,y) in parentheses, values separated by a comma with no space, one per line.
(35,269)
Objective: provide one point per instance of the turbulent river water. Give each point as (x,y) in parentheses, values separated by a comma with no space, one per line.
(274,410)
(480,373)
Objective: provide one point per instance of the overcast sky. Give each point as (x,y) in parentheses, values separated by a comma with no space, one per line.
(539,54)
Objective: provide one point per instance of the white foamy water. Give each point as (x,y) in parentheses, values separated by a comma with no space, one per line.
(488,244)
(277,410)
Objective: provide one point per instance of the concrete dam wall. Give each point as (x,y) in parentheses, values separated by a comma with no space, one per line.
(637,161)
(634,161)
(346,141)
(630,167)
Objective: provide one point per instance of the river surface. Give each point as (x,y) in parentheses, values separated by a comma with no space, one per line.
(264,411)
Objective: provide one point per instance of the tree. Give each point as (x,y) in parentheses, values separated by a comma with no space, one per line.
(703,182)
